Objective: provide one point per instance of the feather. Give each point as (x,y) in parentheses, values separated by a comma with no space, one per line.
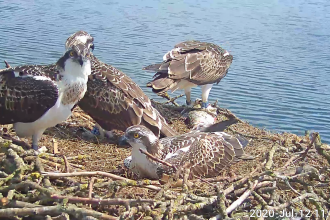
(197,62)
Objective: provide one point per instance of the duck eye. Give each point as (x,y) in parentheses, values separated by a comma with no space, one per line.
(71,54)
(136,135)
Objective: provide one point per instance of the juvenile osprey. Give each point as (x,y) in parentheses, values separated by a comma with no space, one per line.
(34,99)
(204,153)
(114,100)
(190,64)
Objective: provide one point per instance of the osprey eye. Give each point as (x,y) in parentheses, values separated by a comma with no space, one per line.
(136,135)
(71,54)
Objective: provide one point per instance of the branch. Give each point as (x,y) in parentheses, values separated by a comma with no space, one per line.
(158,160)
(26,184)
(54,210)
(166,96)
(270,162)
(40,169)
(67,165)
(117,201)
(320,150)
(287,204)
(314,135)
(110,175)
(241,199)
(16,204)
(173,99)
(90,187)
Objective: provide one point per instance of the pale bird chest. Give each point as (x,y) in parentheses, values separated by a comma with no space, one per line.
(142,166)
(73,93)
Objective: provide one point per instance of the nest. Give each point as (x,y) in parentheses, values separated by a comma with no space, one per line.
(84,178)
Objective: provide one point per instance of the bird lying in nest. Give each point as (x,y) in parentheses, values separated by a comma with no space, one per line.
(204,152)
(190,64)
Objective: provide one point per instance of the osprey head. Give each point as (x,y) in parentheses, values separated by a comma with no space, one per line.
(80,37)
(141,137)
(76,56)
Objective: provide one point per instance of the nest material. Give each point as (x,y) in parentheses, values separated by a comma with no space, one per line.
(282,177)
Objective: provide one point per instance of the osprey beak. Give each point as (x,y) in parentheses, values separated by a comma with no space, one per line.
(123,141)
(80,60)
(92,47)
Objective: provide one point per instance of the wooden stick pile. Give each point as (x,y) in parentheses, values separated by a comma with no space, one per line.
(299,186)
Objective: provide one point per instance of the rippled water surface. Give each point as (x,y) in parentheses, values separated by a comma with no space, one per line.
(280,75)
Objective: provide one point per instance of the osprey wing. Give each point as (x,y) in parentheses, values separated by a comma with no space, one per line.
(25,94)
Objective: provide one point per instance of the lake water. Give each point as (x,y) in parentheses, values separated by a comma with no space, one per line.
(279,79)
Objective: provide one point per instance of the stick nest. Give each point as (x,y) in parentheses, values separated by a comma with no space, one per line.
(86,179)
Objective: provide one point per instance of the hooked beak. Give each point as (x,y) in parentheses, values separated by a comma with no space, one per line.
(92,47)
(80,60)
(123,141)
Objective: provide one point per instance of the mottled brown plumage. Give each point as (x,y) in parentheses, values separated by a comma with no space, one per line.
(197,62)
(208,153)
(190,64)
(204,153)
(115,101)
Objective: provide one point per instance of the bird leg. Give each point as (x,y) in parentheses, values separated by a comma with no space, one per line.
(187,92)
(98,130)
(205,94)
(35,139)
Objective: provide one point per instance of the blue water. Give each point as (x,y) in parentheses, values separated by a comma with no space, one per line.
(279,79)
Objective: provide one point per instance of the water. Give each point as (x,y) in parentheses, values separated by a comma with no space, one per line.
(279,79)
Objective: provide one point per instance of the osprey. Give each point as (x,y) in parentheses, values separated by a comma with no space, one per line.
(34,99)
(114,100)
(204,153)
(190,64)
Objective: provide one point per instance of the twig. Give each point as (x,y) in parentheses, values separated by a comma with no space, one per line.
(3,174)
(239,183)
(59,160)
(290,202)
(55,146)
(314,135)
(259,198)
(90,187)
(173,99)
(26,184)
(17,204)
(241,199)
(54,210)
(289,162)
(117,201)
(110,175)
(53,164)
(271,153)
(158,160)
(41,169)
(67,165)
(166,96)
(221,203)
(320,150)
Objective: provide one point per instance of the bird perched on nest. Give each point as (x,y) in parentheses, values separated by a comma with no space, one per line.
(190,64)
(114,100)
(33,99)
(204,153)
